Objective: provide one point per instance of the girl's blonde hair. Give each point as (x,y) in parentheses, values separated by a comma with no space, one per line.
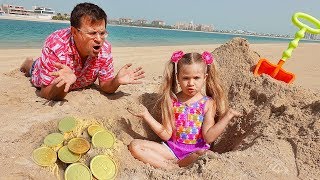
(169,87)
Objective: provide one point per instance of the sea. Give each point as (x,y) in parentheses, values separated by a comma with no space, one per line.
(31,34)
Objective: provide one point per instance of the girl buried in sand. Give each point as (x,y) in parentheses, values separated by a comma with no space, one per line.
(191,121)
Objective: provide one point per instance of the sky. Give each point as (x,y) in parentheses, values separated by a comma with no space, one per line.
(268,16)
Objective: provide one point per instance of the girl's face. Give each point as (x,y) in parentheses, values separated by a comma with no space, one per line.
(192,78)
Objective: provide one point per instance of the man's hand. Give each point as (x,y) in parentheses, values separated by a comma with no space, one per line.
(127,76)
(64,76)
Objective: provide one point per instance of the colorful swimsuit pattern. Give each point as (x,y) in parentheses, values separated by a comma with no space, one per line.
(188,121)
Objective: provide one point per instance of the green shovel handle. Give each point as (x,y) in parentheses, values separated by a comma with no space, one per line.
(300,34)
(309,18)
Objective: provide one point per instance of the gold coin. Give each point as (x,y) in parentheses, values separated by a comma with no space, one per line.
(44,156)
(67,124)
(78,145)
(66,156)
(77,171)
(94,128)
(54,140)
(103,139)
(103,167)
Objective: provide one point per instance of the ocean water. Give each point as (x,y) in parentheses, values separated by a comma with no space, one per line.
(29,34)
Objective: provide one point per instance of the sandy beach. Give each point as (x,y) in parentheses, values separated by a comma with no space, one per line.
(276,138)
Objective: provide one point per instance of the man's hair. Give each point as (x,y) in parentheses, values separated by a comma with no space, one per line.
(94,12)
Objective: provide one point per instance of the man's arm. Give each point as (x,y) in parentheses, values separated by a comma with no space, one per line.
(60,86)
(52,92)
(109,86)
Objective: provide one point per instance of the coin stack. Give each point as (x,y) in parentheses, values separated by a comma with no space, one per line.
(70,152)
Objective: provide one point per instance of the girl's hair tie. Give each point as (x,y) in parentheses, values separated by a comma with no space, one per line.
(207,57)
(176,56)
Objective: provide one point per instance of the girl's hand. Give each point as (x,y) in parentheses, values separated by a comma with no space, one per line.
(233,113)
(230,114)
(139,110)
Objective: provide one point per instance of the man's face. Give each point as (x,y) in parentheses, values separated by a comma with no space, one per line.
(89,37)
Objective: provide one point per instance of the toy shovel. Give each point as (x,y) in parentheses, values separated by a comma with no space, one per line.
(275,71)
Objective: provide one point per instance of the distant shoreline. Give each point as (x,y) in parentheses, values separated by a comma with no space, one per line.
(38,19)
(9,42)
(30,18)
(309,40)
(34,18)
(208,32)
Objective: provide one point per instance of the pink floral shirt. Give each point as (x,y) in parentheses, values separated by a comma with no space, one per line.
(60,47)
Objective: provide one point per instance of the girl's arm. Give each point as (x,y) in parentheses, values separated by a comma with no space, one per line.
(164,132)
(212,131)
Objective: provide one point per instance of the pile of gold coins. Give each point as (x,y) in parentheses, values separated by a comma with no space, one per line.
(55,147)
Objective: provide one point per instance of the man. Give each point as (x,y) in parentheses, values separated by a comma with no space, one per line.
(75,57)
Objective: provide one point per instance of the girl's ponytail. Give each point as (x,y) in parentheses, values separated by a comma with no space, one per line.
(168,90)
(215,90)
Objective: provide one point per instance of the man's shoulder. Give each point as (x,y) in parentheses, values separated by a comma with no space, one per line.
(59,39)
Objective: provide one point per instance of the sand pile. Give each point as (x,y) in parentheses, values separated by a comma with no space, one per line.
(285,115)
(277,137)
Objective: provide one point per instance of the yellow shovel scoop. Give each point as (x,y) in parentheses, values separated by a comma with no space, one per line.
(275,71)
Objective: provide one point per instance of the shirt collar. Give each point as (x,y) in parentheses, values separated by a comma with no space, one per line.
(72,51)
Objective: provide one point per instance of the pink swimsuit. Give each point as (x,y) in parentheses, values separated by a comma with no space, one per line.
(188,134)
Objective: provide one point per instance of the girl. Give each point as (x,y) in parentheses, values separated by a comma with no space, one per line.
(188,116)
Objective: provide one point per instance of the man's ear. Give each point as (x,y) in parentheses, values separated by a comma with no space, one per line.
(73,31)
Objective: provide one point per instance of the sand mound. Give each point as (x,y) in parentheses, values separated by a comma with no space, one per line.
(277,138)
(273,111)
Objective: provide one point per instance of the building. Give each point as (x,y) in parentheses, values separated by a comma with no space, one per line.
(158,23)
(181,25)
(112,21)
(204,27)
(15,10)
(1,11)
(193,27)
(43,11)
(40,12)
(125,21)
(140,22)
(312,36)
